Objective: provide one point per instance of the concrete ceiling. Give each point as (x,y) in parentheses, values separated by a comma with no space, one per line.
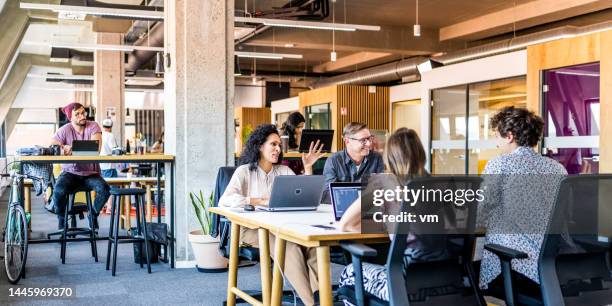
(446,25)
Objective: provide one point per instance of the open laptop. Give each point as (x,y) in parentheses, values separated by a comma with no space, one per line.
(85,148)
(342,196)
(295,193)
(324,137)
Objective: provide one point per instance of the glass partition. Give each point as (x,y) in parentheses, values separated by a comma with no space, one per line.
(571,108)
(406,114)
(461,140)
(318,117)
(448,130)
(485,100)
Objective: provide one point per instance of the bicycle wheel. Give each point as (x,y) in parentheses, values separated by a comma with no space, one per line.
(15,244)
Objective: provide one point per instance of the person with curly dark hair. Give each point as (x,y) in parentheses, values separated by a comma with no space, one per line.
(293,127)
(252,182)
(520,180)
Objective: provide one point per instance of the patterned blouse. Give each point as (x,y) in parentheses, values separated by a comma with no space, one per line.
(520,190)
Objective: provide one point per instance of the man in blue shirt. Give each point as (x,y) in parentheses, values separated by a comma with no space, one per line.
(356,160)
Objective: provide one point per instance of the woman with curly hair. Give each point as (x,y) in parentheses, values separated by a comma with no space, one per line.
(252,184)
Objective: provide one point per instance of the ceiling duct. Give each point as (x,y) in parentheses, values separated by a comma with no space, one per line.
(407,68)
(99,4)
(137,58)
(379,74)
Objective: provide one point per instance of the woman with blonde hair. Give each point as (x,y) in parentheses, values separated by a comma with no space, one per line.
(404,159)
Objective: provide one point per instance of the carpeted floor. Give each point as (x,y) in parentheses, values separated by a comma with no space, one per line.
(93,285)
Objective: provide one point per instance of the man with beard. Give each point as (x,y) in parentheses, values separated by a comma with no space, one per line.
(76,176)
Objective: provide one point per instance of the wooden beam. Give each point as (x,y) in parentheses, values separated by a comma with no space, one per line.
(350,61)
(524,15)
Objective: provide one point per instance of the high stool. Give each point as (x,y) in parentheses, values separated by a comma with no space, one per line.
(72,230)
(141,225)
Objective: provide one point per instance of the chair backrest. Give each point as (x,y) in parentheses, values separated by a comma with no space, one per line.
(223,178)
(571,249)
(453,236)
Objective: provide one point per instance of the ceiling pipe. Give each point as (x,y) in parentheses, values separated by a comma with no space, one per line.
(407,68)
(137,58)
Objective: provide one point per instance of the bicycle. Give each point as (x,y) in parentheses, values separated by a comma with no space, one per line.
(15,232)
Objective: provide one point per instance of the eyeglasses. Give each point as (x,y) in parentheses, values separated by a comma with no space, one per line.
(84,114)
(364,140)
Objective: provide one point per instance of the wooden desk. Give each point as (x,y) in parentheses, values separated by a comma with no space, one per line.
(295,227)
(158,159)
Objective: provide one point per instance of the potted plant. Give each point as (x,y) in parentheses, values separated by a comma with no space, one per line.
(205,247)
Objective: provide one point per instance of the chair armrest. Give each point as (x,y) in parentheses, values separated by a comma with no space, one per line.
(505,253)
(593,245)
(358,249)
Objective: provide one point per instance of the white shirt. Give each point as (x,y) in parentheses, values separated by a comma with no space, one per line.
(246,184)
(108,143)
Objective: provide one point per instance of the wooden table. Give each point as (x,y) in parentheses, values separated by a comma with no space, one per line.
(158,159)
(147,182)
(295,227)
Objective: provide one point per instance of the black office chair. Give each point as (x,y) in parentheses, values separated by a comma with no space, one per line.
(573,264)
(447,281)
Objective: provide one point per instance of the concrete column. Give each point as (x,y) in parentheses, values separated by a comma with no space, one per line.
(109,82)
(11,120)
(199,89)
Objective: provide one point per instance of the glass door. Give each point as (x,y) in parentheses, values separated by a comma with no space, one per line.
(318,117)
(448,130)
(571,108)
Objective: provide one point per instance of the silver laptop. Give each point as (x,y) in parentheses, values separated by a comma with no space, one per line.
(85,148)
(295,193)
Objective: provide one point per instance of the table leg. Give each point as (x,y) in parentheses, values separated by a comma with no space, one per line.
(27,204)
(264,261)
(172,242)
(149,203)
(277,278)
(323,269)
(232,275)
(127,210)
(27,199)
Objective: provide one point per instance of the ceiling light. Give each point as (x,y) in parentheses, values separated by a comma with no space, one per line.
(267,55)
(417,30)
(417,26)
(289,45)
(333,56)
(76,10)
(159,66)
(307,24)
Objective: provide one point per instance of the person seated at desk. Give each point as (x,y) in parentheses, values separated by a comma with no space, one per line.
(292,128)
(515,183)
(404,158)
(74,176)
(158,146)
(252,182)
(108,143)
(356,160)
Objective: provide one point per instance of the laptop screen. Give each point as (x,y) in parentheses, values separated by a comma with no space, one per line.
(342,196)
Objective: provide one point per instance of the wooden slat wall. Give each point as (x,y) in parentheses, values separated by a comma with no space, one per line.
(575,51)
(253,116)
(362,106)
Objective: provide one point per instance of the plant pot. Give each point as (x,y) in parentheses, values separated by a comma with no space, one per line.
(206,251)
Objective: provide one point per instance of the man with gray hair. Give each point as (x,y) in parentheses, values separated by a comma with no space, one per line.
(356,160)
